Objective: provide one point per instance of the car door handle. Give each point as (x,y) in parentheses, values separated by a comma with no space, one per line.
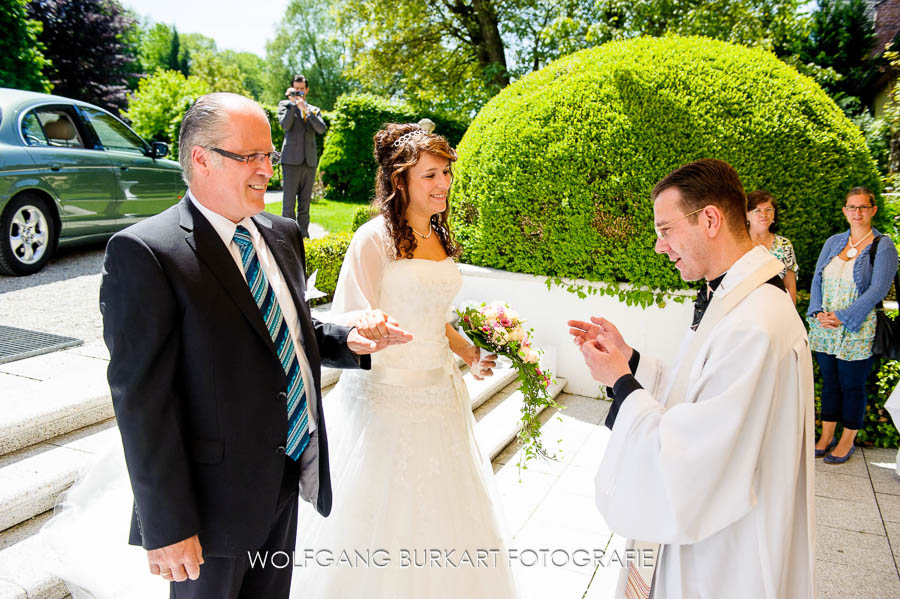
(123,168)
(55,166)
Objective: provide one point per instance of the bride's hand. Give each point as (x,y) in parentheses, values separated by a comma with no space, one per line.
(480,368)
(374,331)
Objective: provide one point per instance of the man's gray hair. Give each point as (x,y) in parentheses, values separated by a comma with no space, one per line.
(205,124)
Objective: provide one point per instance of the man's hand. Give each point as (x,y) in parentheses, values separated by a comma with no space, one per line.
(374,331)
(606,363)
(479,366)
(599,327)
(177,562)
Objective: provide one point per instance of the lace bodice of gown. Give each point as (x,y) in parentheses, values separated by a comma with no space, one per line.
(418,294)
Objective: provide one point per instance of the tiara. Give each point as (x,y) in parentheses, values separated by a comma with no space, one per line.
(408,136)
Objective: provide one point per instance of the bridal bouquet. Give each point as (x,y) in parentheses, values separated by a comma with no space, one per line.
(498,329)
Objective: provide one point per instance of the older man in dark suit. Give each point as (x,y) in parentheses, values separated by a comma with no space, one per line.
(301,122)
(215,365)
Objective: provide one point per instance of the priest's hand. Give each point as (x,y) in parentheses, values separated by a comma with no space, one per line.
(606,363)
(373,331)
(599,327)
(178,561)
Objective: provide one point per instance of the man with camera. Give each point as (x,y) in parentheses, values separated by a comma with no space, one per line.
(301,123)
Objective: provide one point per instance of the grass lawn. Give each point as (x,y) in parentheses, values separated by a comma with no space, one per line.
(334,216)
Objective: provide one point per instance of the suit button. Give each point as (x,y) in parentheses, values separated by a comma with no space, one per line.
(282,396)
(279,450)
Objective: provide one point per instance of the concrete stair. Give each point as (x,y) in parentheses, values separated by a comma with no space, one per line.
(53,426)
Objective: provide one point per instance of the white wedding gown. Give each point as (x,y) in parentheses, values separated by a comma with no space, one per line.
(414,514)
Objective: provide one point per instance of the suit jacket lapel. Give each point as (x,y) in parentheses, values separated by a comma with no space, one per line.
(204,240)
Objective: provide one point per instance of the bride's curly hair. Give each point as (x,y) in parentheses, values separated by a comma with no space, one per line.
(397,148)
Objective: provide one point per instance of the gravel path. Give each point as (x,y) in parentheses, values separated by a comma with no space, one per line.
(61,299)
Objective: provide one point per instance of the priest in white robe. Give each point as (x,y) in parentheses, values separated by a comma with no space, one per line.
(710,463)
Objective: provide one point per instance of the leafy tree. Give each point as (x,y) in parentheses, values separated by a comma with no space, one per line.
(307,41)
(88,44)
(158,106)
(837,51)
(219,76)
(21,60)
(178,58)
(155,46)
(252,70)
(456,54)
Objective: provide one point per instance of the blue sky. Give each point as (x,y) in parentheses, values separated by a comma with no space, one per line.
(234,24)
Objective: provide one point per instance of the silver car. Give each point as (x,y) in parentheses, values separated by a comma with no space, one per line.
(71,172)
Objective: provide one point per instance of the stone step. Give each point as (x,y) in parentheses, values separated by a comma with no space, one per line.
(32,479)
(35,409)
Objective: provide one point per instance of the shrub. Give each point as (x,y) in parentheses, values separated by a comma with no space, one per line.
(555,172)
(347,166)
(878,429)
(326,255)
(363,215)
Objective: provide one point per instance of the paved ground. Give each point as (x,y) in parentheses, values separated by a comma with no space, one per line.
(552,510)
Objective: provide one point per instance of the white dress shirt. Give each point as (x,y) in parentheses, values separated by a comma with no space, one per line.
(225,229)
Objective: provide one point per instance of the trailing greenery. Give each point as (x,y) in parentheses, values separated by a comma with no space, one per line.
(347,166)
(326,256)
(555,173)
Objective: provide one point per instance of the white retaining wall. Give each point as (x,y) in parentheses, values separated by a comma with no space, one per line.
(656,331)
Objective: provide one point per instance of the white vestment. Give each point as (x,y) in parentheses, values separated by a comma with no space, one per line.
(722,477)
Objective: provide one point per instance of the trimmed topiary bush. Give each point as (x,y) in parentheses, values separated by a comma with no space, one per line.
(326,256)
(555,172)
(347,166)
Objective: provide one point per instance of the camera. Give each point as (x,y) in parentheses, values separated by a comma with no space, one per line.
(296,92)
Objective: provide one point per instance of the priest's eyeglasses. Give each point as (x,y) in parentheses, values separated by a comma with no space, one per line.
(255,159)
(662,230)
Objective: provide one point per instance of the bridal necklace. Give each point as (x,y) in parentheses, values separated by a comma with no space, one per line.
(852,251)
(430,230)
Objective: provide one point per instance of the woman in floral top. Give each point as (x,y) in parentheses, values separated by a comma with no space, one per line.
(846,287)
(761,213)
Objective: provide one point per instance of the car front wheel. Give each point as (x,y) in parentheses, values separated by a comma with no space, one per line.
(28,231)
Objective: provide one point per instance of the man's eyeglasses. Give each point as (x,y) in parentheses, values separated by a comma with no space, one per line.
(661,230)
(857,208)
(256,159)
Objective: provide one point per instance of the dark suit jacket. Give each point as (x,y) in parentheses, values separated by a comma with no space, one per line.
(299,145)
(198,391)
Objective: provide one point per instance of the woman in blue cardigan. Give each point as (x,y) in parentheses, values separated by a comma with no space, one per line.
(845,289)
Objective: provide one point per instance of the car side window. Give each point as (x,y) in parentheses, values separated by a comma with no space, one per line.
(113,133)
(32,132)
(59,128)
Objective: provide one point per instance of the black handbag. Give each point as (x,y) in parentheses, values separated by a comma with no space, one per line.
(887,331)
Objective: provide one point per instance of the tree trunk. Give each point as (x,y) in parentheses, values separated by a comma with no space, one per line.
(479,19)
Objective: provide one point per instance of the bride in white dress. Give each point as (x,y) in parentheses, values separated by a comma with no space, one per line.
(413,515)
(410,483)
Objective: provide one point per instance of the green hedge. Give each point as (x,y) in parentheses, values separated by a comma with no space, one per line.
(347,166)
(326,255)
(363,215)
(555,172)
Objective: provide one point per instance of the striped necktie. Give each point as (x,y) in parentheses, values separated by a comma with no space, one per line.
(298,414)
